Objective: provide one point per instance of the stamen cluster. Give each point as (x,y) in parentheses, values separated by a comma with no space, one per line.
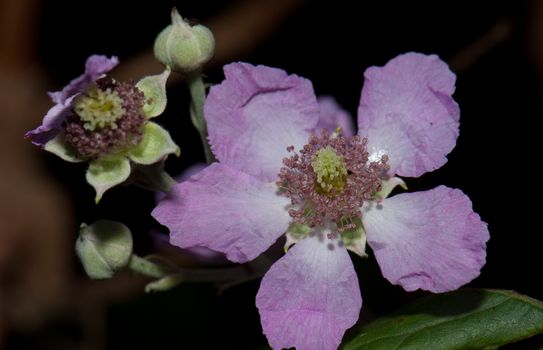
(107,118)
(341,201)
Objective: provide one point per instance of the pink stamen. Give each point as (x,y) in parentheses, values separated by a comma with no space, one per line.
(313,207)
(105,141)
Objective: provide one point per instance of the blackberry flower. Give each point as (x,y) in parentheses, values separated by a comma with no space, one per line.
(98,119)
(329,192)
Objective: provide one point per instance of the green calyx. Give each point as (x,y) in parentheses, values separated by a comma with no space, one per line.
(387,186)
(154,89)
(59,147)
(354,238)
(106,172)
(295,233)
(156,143)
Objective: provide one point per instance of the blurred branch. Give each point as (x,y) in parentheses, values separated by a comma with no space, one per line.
(500,32)
(535,36)
(18,32)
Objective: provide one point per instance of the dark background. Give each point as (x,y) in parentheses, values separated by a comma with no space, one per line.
(491,46)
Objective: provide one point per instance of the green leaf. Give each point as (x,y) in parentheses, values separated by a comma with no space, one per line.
(104,248)
(155,144)
(61,148)
(105,173)
(154,89)
(464,319)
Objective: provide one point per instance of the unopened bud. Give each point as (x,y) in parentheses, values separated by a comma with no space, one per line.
(104,248)
(182,47)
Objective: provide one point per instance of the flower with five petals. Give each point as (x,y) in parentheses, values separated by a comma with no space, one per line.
(329,193)
(106,122)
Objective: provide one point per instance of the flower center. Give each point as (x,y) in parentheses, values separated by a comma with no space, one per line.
(99,108)
(108,118)
(329,179)
(330,171)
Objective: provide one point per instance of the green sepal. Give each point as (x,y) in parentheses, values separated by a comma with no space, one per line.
(164,284)
(63,149)
(107,172)
(154,89)
(388,185)
(355,239)
(156,143)
(104,248)
(295,233)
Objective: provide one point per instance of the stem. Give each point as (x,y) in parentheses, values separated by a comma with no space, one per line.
(163,181)
(154,177)
(198,96)
(224,274)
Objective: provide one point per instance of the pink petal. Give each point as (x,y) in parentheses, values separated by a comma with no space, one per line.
(51,123)
(255,114)
(95,66)
(225,210)
(310,297)
(406,111)
(203,255)
(333,116)
(430,240)
(188,172)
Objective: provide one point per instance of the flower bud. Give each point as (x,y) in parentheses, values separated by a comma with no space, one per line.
(182,47)
(104,248)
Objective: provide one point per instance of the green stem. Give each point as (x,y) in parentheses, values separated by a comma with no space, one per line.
(225,274)
(164,181)
(153,177)
(198,96)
